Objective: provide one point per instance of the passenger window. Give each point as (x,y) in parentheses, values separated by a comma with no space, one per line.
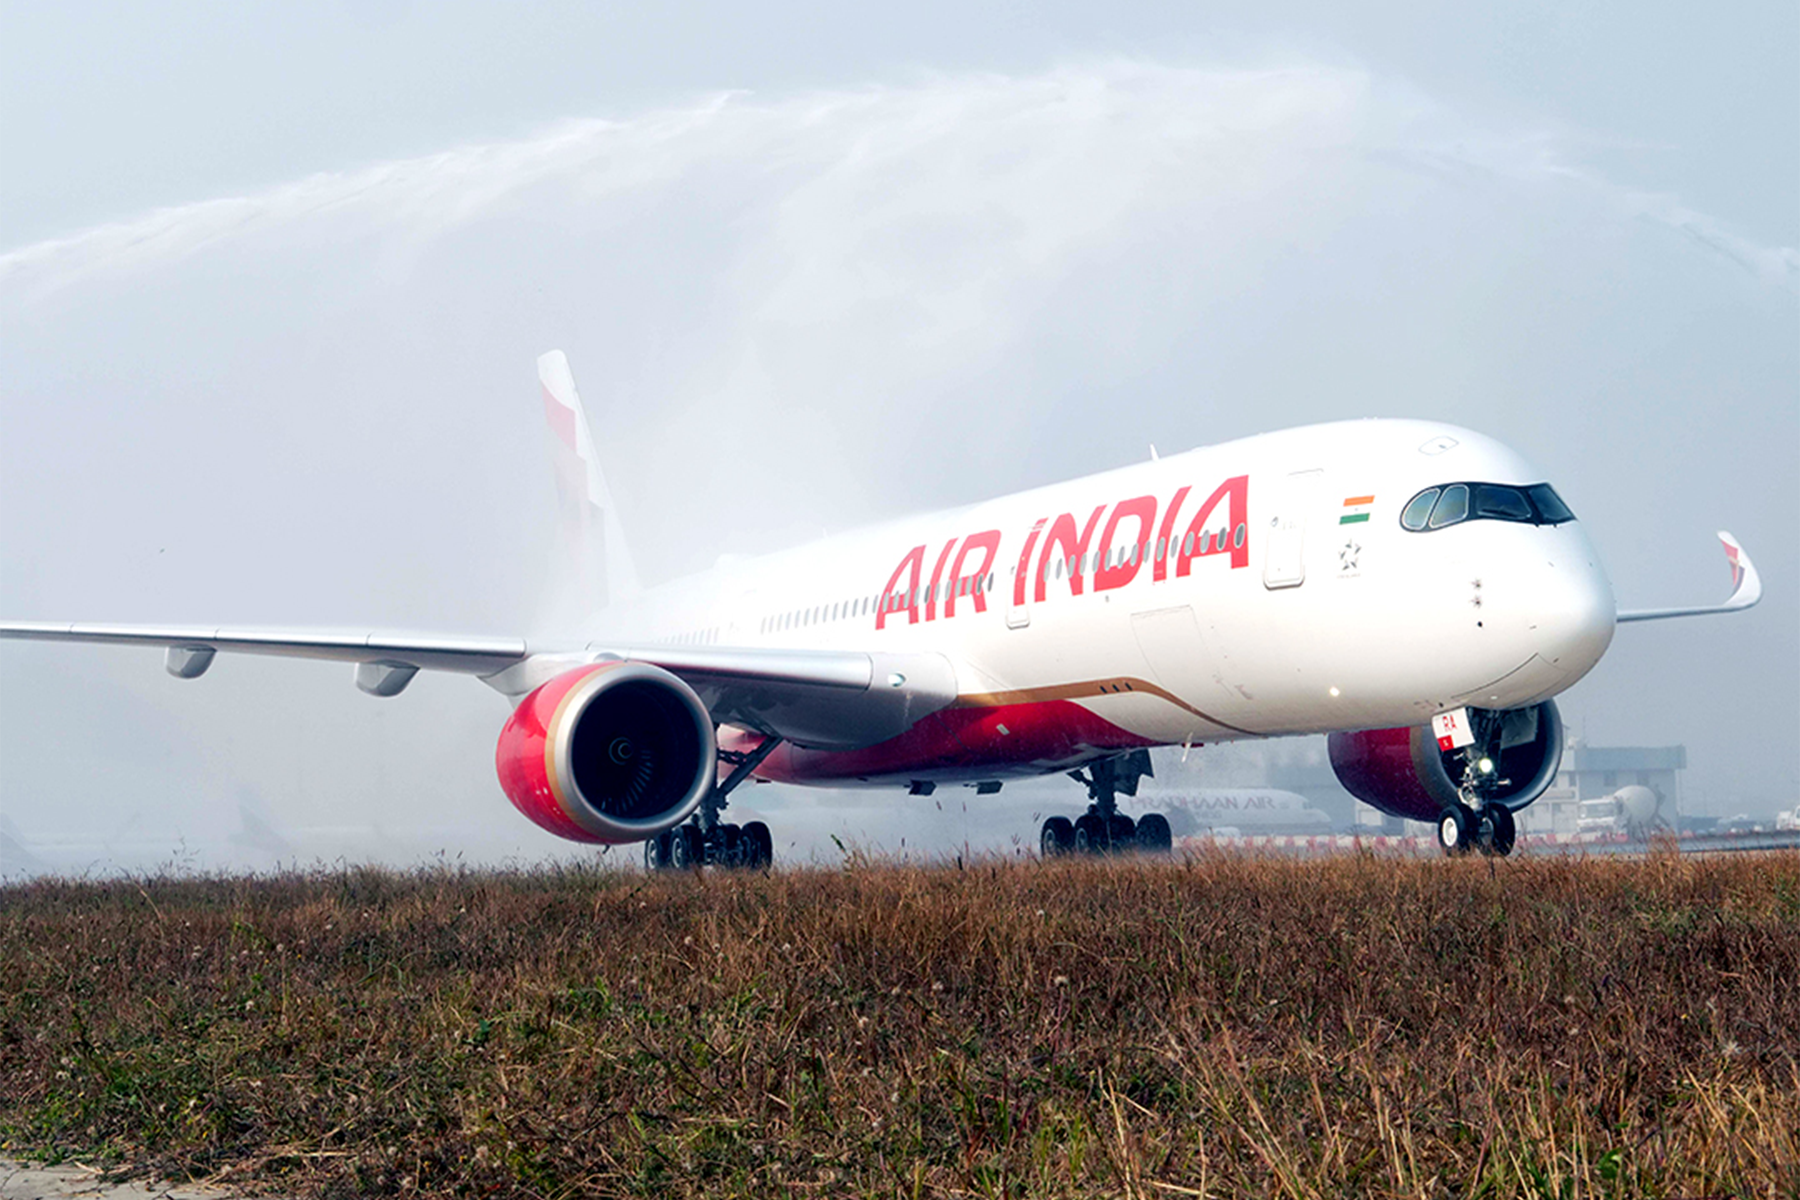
(1451,507)
(1419,509)
(1501,503)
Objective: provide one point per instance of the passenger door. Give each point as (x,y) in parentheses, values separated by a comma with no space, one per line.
(1284,561)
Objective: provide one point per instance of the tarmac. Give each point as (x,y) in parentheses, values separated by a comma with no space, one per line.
(26,1181)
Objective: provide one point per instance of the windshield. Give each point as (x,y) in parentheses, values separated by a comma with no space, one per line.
(1453,503)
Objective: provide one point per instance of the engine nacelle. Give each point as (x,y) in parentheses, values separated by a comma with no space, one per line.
(615,752)
(1402,771)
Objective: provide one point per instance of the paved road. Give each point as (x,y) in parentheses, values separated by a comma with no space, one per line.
(21,1181)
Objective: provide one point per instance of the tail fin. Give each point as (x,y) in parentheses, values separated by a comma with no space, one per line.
(593,541)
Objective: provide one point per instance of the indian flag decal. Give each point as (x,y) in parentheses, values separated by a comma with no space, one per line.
(1356,509)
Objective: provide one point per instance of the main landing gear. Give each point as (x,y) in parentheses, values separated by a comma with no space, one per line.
(707,841)
(1478,820)
(1103,829)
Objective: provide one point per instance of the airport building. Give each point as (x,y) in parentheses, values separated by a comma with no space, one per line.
(1595,774)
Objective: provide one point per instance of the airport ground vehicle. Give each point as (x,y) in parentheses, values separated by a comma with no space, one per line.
(1413,589)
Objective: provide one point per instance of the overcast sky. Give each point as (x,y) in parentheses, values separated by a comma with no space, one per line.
(273,278)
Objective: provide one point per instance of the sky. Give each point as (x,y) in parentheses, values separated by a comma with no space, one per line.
(273,281)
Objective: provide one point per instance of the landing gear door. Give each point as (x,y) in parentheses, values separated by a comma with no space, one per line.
(1284,564)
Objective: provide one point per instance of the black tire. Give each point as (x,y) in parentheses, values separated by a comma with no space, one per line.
(1456,830)
(758,847)
(1057,838)
(731,839)
(687,848)
(1154,835)
(1122,832)
(1504,831)
(656,852)
(1090,834)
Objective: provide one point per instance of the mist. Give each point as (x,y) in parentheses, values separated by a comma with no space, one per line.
(793,313)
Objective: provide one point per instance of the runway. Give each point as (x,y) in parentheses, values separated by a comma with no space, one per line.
(1573,844)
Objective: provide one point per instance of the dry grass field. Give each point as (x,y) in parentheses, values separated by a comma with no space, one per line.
(1221,1026)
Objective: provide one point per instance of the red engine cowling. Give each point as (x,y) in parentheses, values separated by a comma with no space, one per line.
(615,752)
(1402,771)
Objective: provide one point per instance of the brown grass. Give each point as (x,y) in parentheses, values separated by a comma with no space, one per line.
(1222,1026)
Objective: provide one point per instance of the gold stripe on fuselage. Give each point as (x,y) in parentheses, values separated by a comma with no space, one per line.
(1086,690)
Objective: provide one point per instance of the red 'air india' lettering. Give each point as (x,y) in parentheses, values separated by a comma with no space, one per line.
(1062,533)
(902,590)
(1233,539)
(1125,546)
(937,574)
(1132,553)
(1165,547)
(971,582)
(1024,568)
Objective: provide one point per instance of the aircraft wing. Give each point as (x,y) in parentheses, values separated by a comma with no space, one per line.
(818,698)
(437,652)
(1746,589)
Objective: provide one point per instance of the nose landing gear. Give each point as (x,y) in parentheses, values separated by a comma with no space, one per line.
(1479,820)
(1103,829)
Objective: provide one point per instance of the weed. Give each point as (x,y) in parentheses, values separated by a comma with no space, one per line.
(1218,1025)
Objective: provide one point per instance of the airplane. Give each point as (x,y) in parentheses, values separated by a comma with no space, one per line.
(1415,590)
(1240,811)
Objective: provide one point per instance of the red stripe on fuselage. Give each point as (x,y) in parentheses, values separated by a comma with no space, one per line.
(960,743)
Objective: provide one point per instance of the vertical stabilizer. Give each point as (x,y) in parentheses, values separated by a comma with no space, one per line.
(592,546)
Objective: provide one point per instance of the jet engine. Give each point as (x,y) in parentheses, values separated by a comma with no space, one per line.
(609,753)
(1402,771)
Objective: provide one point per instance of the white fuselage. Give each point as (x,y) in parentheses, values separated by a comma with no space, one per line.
(1297,604)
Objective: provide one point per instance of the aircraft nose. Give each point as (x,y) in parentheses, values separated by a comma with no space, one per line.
(1572,607)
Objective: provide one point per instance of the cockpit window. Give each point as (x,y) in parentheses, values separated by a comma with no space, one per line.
(1451,507)
(1501,503)
(1418,509)
(1550,506)
(1452,503)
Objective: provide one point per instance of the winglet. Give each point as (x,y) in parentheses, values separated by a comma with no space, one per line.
(591,525)
(1746,588)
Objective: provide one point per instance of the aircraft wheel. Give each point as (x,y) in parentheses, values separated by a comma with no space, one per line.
(1090,834)
(656,852)
(1153,834)
(1122,832)
(1057,838)
(687,849)
(1456,829)
(1503,831)
(731,840)
(758,848)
